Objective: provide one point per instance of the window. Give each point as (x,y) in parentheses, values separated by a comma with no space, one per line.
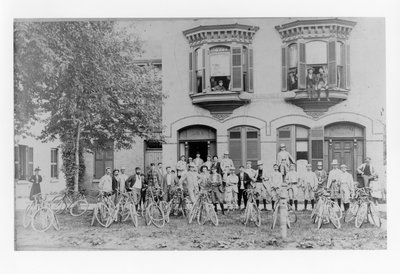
(221,58)
(315,54)
(296,139)
(54,163)
(23,162)
(103,158)
(244,145)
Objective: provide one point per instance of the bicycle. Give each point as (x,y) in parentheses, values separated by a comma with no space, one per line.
(155,209)
(103,209)
(44,217)
(326,211)
(291,217)
(179,204)
(203,209)
(363,208)
(123,209)
(252,212)
(30,210)
(75,202)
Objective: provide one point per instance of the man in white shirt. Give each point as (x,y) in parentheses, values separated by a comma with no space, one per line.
(346,186)
(105,183)
(333,182)
(226,163)
(231,190)
(198,161)
(293,180)
(122,178)
(251,172)
(309,185)
(192,182)
(275,181)
(168,182)
(134,184)
(284,159)
(181,166)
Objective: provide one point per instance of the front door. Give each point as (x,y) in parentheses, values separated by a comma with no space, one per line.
(343,152)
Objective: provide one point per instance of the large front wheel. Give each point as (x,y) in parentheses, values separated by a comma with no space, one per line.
(351,212)
(156,215)
(42,219)
(102,214)
(333,217)
(212,215)
(361,215)
(58,204)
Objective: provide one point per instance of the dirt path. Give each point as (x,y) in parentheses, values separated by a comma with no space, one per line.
(77,234)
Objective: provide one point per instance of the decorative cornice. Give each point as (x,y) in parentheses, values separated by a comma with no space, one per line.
(220,34)
(319,28)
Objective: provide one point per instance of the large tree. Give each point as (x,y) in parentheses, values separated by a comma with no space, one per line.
(83,77)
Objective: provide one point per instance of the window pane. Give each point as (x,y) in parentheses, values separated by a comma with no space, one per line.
(252,135)
(234,135)
(339,53)
(301,132)
(99,155)
(301,146)
(292,51)
(109,155)
(252,149)
(317,149)
(284,134)
(199,56)
(316,53)
(220,61)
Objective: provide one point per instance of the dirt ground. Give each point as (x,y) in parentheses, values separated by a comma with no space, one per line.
(77,234)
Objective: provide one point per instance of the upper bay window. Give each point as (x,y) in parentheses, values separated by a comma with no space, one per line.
(221,58)
(220,67)
(316,55)
(316,63)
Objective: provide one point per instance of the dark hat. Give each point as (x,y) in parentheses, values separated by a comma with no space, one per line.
(37,169)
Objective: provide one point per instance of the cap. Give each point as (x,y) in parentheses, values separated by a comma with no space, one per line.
(259,162)
(37,169)
(275,165)
(226,153)
(282,145)
(319,163)
(343,166)
(334,162)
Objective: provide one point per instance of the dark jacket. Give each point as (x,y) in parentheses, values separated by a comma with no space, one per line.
(115,183)
(130,182)
(35,189)
(246,180)
(218,165)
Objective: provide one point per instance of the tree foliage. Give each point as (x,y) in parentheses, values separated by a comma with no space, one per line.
(82,75)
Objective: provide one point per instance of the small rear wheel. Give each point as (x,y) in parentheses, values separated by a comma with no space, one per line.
(212,215)
(361,214)
(79,207)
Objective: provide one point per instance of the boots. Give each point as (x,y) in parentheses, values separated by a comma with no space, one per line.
(273,205)
(215,208)
(290,202)
(295,205)
(312,203)
(339,201)
(257,203)
(222,208)
(265,204)
(305,205)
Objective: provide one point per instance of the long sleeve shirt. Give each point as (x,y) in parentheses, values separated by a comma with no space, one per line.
(333,176)
(105,183)
(310,180)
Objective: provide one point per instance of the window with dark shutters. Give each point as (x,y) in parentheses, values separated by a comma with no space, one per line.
(302,66)
(54,163)
(104,158)
(332,70)
(284,69)
(317,149)
(237,84)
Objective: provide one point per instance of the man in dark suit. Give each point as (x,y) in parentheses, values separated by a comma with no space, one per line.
(168,182)
(244,183)
(35,179)
(135,185)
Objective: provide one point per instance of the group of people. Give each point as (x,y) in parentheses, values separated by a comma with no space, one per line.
(227,187)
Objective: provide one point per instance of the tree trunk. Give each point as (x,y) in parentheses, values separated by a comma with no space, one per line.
(76,177)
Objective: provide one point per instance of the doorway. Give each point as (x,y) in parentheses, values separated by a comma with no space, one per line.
(198,147)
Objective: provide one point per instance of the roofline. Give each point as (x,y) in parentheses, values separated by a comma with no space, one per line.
(316,22)
(220,27)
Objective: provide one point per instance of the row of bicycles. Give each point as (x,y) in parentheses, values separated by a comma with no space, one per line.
(41,214)
(362,209)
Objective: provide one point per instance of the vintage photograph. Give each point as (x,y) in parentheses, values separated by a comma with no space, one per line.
(200,134)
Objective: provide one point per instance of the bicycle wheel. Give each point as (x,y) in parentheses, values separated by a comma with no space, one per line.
(374,215)
(248,213)
(28,213)
(156,215)
(56,223)
(202,216)
(336,209)
(79,207)
(351,212)
(102,214)
(291,214)
(133,215)
(275,216)
(125,211)
(256,215)
(320,215)
(212,215)
(361,214)
(42,219)
(333,217)
(57,204)
(165,208)
(193,213)
(94,216)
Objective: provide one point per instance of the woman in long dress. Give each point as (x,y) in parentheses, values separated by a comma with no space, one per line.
(217,195)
